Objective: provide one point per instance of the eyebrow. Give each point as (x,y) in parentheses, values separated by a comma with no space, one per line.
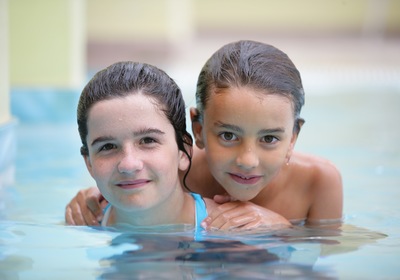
(145,131)
(141,132)
(240,130)
(101,139)
(228,126)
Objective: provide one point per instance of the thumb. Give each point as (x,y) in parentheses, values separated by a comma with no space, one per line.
(223,198)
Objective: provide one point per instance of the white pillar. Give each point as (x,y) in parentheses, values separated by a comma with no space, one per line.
(4,72)
(7,125)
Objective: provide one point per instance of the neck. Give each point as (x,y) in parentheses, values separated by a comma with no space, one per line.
(177,209)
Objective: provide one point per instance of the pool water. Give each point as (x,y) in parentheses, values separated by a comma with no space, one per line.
(359,132)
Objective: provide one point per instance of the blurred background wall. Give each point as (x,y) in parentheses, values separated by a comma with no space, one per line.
(61,43)
(333,43)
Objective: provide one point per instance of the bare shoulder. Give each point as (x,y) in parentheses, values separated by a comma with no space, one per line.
(325,182)
(317,167)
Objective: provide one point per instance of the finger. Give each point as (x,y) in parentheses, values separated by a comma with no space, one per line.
(251,225)
(68,216)
(235,222)
(94,207)
(74,213)
(223,209)
(82,214)
(227,215)
(89,219)
(247,217)
(103,204)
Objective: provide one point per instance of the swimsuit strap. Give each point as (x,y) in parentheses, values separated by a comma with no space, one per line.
(106,215)
(200,209)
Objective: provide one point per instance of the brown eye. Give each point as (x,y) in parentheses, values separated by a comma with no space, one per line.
(148,140)
(269,139)
(228,136)
(107,147)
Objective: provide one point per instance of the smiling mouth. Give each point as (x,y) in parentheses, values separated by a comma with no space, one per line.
(247,180)
(134,184)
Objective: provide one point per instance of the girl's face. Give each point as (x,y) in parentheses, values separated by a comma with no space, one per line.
(133,154)
(248,136)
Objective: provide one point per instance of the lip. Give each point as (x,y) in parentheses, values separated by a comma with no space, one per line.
(245,179)
(132,184)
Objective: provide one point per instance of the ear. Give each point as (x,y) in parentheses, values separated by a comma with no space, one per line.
(88,164)
(292,144)
(197,128)
(298,125)
(184,160)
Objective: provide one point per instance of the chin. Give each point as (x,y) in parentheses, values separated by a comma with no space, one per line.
(243,195)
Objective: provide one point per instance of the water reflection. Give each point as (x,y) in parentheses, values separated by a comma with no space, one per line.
(34,251)
(252,255)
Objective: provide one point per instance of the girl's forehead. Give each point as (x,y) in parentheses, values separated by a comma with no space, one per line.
(246,94)
(132,105)
(246,105)
(121,116)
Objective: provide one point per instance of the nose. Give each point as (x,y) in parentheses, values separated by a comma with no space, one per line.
(247,158)
(130,162)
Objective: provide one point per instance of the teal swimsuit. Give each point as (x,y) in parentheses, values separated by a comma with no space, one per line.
(200,209)
(199,204)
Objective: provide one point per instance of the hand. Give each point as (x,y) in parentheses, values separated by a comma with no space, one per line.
(223,198)
(86,208)
(243,215)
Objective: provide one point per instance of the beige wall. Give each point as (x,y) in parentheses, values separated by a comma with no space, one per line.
(48,38)
(121,19)
(164,31)
(291,17)
(135,19)
(47,43)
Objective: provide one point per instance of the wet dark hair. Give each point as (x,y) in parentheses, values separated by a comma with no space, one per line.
(125,78)
(255,65)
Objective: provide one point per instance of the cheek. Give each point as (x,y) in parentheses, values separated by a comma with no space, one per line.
(100,169)
(166,163)
(213,145)
(218,158)
(273,162)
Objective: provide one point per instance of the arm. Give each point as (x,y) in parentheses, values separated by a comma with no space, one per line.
(243,215)
(86,208)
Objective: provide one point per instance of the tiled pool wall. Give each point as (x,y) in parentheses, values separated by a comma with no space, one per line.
(32,106)
(44,105)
